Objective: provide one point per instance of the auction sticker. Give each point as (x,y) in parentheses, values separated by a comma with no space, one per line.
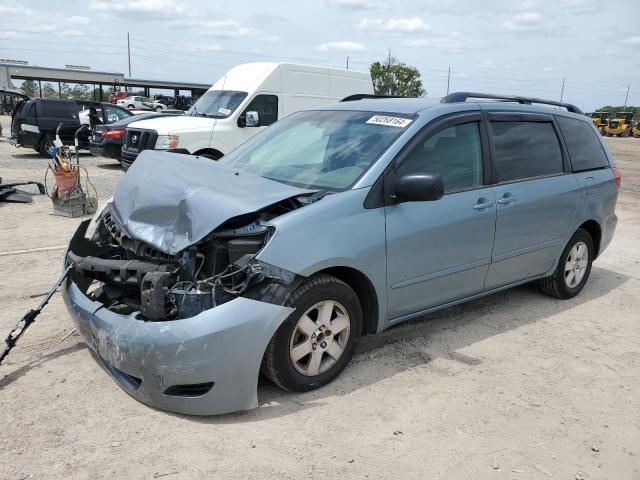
(389,121)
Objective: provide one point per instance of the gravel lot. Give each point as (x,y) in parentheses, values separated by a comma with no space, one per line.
(513,386)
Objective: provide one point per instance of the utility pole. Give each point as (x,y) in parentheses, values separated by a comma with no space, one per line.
(626,97)
(448,80)
(347,62)
(129,53)
(389,59)
(562,91)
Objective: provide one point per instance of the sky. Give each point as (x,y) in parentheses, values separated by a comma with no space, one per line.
(510,47)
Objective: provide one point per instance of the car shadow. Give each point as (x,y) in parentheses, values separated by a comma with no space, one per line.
(23,370)
(437,335)
(109,166)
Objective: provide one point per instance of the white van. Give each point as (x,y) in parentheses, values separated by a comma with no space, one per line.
(247,99)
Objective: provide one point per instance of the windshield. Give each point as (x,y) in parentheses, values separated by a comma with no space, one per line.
(217,103)
(319,150)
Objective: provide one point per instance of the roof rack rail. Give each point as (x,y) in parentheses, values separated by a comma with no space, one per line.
(360,96)
(463,96)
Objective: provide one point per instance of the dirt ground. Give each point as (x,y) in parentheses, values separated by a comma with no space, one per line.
(513,386)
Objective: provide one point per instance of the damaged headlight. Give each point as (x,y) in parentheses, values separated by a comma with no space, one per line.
(261,271)
(93,224)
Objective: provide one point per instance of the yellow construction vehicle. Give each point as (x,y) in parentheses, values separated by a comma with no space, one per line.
(620,126)
(635,130)
(600,120)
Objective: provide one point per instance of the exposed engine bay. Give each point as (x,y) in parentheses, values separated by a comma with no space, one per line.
(129,276)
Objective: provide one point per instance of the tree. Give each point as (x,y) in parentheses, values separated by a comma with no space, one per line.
(609,108)
(396,78)
(30,88)
(48,91)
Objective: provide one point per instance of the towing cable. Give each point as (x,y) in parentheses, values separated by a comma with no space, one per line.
(30,316)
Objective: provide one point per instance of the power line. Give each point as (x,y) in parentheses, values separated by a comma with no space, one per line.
(64,34)
(59,43)
(60,51)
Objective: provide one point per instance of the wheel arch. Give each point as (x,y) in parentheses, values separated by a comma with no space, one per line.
(364,289)
(594,229)
(210,151)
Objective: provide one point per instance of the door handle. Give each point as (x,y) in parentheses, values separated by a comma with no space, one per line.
(507,199)
(482,205)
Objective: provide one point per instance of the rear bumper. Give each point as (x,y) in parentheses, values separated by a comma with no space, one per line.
(223,346)
(608,229)
(105,150)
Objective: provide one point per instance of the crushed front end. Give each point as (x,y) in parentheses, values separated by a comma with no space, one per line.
(183,332)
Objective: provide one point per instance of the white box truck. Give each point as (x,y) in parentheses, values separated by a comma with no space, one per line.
(243,102)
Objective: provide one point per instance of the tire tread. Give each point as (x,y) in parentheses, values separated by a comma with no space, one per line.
(269,361)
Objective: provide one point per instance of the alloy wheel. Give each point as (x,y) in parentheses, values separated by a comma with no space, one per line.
(319,338)
(576,264)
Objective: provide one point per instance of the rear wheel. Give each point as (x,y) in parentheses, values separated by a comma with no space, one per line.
(131,106)
(627,132)
(43,145)
(573,268)
(317,341)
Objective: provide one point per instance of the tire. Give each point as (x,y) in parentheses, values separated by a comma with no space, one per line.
(627,132)
(210,156)
(43,145)
(131,106)
(607,134)
(310,299)
(158,109)
(561,284)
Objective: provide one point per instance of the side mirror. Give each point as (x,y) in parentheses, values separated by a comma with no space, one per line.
(419,187)
(252,119)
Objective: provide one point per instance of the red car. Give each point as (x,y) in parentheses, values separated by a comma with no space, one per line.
(119,96)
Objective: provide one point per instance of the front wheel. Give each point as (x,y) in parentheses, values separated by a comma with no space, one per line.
(573,268)
(131,106)
(316,342)
(158,109)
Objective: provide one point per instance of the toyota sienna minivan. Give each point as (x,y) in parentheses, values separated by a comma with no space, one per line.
(331,224)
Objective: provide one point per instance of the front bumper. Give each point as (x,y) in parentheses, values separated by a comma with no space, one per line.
(152,361)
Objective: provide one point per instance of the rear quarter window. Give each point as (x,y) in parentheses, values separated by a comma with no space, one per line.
(525,150)
(61,110)
(585,149)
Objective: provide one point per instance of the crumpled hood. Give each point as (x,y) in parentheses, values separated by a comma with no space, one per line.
(171,201)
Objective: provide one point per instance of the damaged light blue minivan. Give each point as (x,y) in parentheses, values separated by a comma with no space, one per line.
(331,224)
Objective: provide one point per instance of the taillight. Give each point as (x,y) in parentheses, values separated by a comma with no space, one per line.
(617,176)
(113,134)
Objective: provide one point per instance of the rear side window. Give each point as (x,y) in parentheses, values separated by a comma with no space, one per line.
(525,150)
(585,150)
(62,110)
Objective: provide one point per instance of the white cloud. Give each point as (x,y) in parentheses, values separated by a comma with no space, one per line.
(341,47)
(525,21)
(78,20)
(203,48)
(393,25)
(631,40)
(549,69)
(356,4)
(453,42)
(159,7)
(577,6)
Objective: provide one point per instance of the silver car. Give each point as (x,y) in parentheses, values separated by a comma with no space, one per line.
(333,223)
